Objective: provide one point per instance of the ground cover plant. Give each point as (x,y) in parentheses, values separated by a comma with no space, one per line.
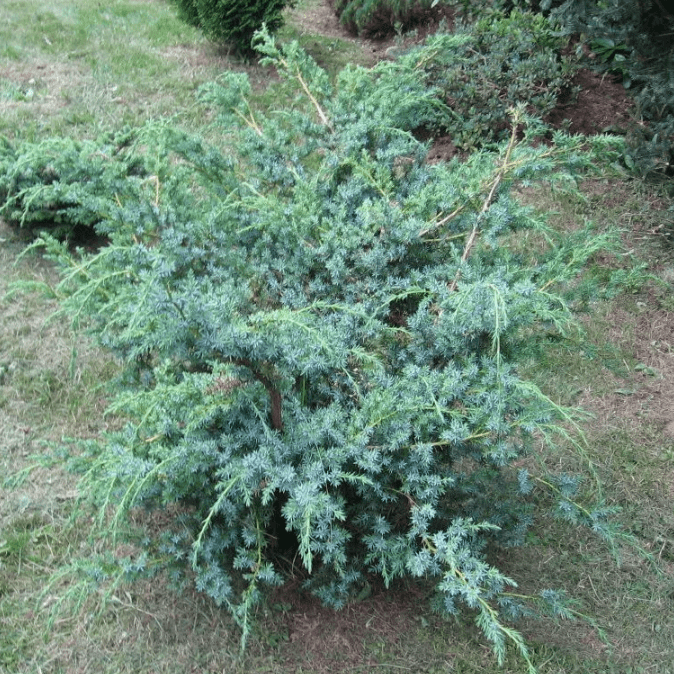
(484,68)
(632,41)
(146,628)
(627,41)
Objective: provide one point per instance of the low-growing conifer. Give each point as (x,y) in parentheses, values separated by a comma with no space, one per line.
(322,337)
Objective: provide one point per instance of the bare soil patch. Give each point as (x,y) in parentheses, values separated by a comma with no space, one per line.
(602,105)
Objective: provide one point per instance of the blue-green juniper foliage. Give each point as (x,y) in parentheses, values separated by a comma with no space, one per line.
(321,335)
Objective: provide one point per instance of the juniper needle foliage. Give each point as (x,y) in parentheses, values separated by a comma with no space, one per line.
(66,186)
(321,334)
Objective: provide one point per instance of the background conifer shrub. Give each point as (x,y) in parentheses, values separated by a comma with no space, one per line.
(233,21)
(379,18)
(321,336)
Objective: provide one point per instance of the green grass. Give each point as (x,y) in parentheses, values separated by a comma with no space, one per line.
(80,67)
(92,65)
(77,67)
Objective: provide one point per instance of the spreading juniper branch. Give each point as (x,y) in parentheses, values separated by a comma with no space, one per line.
(502,171)
(295,354)
(487,618)
(297,65)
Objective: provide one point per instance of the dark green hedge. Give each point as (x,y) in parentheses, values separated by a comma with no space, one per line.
(233,21)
